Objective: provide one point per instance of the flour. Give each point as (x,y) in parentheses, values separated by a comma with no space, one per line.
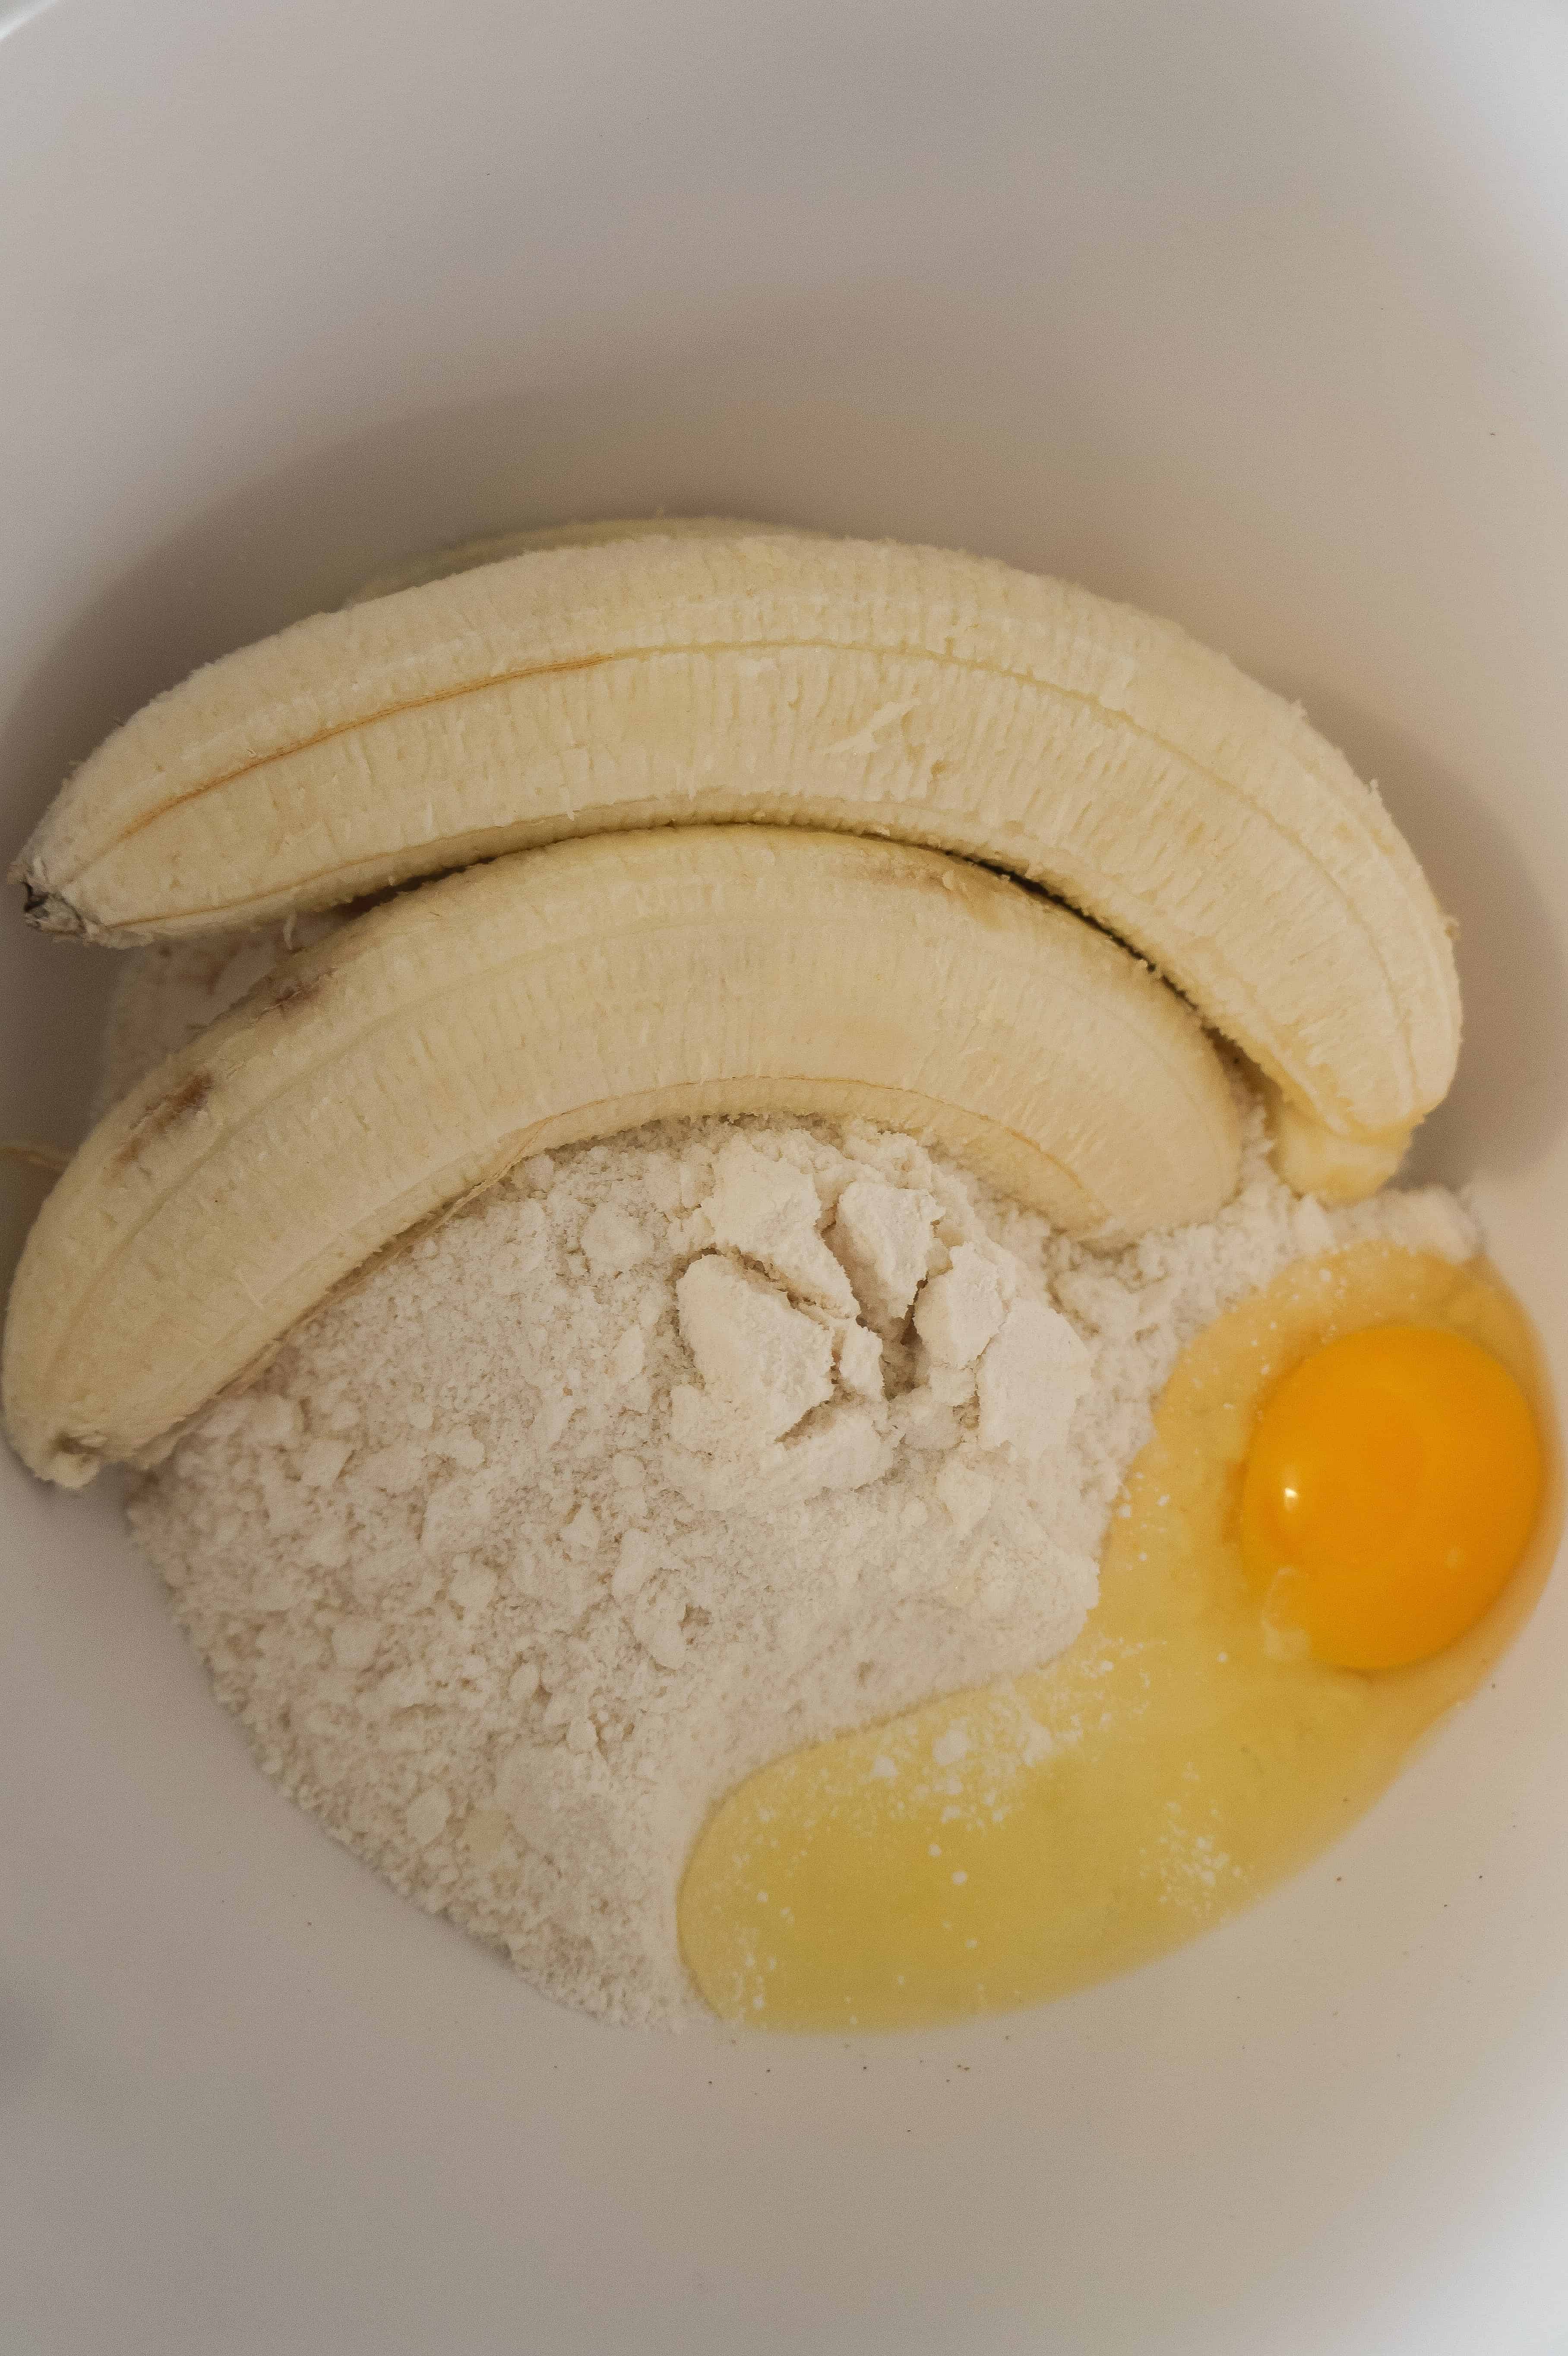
(670,1455)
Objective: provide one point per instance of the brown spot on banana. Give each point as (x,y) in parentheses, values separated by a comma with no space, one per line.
(185,1097)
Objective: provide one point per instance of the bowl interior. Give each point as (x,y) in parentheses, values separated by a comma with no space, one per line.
(1253,320)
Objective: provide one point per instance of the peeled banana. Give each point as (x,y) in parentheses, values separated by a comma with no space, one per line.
(736,674)
(372,1082)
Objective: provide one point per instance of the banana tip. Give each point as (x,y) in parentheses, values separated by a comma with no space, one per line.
(68,1463)
(46,910)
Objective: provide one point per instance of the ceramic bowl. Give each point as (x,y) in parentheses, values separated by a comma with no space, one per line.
(1254,316)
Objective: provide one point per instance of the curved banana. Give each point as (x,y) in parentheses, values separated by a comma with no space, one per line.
(373,1082)
(753,674)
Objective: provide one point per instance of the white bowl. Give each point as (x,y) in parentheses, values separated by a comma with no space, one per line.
(1254,316)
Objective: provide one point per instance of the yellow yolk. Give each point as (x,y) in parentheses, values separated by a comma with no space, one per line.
(1392,1482)
(1002,1848)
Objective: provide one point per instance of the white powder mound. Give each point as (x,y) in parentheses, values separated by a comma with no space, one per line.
(671,1454)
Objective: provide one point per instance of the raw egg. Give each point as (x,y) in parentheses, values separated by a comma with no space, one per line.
(1000,1848)
(1392,1482)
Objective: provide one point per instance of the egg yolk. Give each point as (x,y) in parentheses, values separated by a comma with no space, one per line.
(1393,1480)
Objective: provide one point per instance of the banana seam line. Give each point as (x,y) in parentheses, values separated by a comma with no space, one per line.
(1058,892)
(1078,696)
(354,953)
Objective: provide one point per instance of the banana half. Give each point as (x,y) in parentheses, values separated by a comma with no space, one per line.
(716,672)
(372,1083)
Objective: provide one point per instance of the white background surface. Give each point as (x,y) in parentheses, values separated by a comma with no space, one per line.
(1257,315)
